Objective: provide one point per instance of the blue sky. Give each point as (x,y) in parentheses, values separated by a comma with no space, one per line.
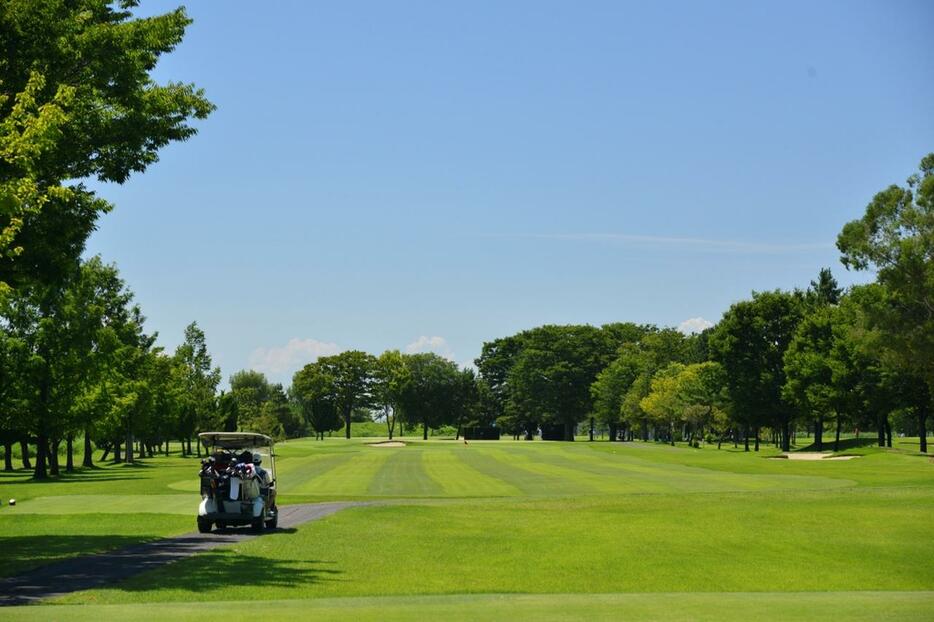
(431,175)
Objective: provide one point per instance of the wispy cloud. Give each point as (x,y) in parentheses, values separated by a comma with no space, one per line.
(280,363)
(694,325)
(703,244)
(438,345)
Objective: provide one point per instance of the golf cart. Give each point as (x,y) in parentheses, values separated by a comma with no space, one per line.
(238,481)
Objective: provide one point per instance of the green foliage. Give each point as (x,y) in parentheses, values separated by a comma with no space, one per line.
(750,342)
(352,376)
(314,388)
(77,101)
(895,237)
(431,395)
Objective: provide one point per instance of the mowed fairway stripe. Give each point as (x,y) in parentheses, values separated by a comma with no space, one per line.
(112,504)
(631,476)
(402,474)
(520,472)
(296,475)
(447,467)
(352,476)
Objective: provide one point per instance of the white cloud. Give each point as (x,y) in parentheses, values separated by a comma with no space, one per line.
(280,363)
(438,345)
(694,325)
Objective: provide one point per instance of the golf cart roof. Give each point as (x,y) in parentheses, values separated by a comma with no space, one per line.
(235,440)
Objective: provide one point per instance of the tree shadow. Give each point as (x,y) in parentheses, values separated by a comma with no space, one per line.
(224,568)
(22,553)
(845,443)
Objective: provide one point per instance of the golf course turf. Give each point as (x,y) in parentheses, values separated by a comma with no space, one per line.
(512,529)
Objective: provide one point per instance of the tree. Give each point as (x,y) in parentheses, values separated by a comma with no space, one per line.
(496,359)
(552,373)
(825,291)
(391,375)
(199,381)
(352,372)
(702,392)
(895,237)
(430,394)
(610,389)
(77,101)
(663,402)
(750,342)
(314,388)
(809,370)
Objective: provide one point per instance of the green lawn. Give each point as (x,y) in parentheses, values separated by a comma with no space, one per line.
(466,531)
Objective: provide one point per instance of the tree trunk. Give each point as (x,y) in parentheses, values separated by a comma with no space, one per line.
(7,455)
(347,422)
(424,430)
(888,433)
(88,460)
(836,440)
(568,431)
(881,432)
(70,453)
(188,445)
(922,428)
(613,432)
(106,452)
(24,450)
(118,457)
(130,457)
(757,438)
(786,436)
(42,448)
(53,457)
(819,433)
(746,438)
(591,429)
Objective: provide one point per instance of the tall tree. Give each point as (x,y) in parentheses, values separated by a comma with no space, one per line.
(199,381)
(352,372)
(430,394)
(391,375)
(750,342)
(77,100)
(551,377)
(315,389)
(895,237)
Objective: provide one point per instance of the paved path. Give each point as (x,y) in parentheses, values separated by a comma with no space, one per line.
(89,571)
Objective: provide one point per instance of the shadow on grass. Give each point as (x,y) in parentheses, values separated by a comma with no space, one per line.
(27,552)
(845,443)
(245,576)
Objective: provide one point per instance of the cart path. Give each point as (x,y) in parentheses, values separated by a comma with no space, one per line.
(90,571)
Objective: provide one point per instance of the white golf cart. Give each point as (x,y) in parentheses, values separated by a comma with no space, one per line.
(238,481)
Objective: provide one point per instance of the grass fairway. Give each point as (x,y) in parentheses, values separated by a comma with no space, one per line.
(523,530)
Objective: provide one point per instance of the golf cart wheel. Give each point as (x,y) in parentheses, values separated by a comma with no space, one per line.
(222,524)
(273,522)
(204,526)
(257,525)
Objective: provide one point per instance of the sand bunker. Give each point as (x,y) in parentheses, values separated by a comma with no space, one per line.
(388,444)
(811,455)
